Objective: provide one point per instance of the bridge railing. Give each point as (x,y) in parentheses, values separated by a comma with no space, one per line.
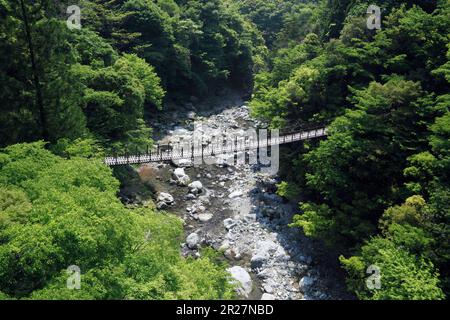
(160,154)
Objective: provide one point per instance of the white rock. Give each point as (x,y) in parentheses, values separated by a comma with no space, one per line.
(166,198)
(235,194)
(242,278)
(180,177)
(195,187)
(205,217)
(268,288)
(268,296)
(179,172)
(192,240)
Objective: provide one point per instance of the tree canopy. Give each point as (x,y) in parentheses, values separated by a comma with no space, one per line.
(376,190)
(55,213)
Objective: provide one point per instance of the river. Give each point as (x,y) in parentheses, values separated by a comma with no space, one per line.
(234,209)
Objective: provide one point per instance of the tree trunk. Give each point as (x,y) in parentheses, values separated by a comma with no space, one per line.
(39,99)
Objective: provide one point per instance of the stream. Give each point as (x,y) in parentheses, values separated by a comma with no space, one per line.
(234,209)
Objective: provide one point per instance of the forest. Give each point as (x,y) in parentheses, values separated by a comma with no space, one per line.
(376,191)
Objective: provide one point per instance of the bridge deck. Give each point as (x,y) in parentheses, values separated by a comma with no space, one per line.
(210,150)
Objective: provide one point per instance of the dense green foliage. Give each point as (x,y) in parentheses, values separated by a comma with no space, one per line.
(69,84)
(101,80)
(377,189)
(195,45)
(86,92)
(55,213)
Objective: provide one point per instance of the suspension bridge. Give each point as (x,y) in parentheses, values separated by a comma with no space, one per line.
(189,151)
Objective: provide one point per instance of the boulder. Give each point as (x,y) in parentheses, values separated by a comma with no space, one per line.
(267,287)
(242,278)
(195,187)
(306,282)
(205,217)
(193,240)
(180,177)
(235,194)
(164,200)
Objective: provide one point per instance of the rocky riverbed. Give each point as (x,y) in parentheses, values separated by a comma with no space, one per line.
(234,209)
